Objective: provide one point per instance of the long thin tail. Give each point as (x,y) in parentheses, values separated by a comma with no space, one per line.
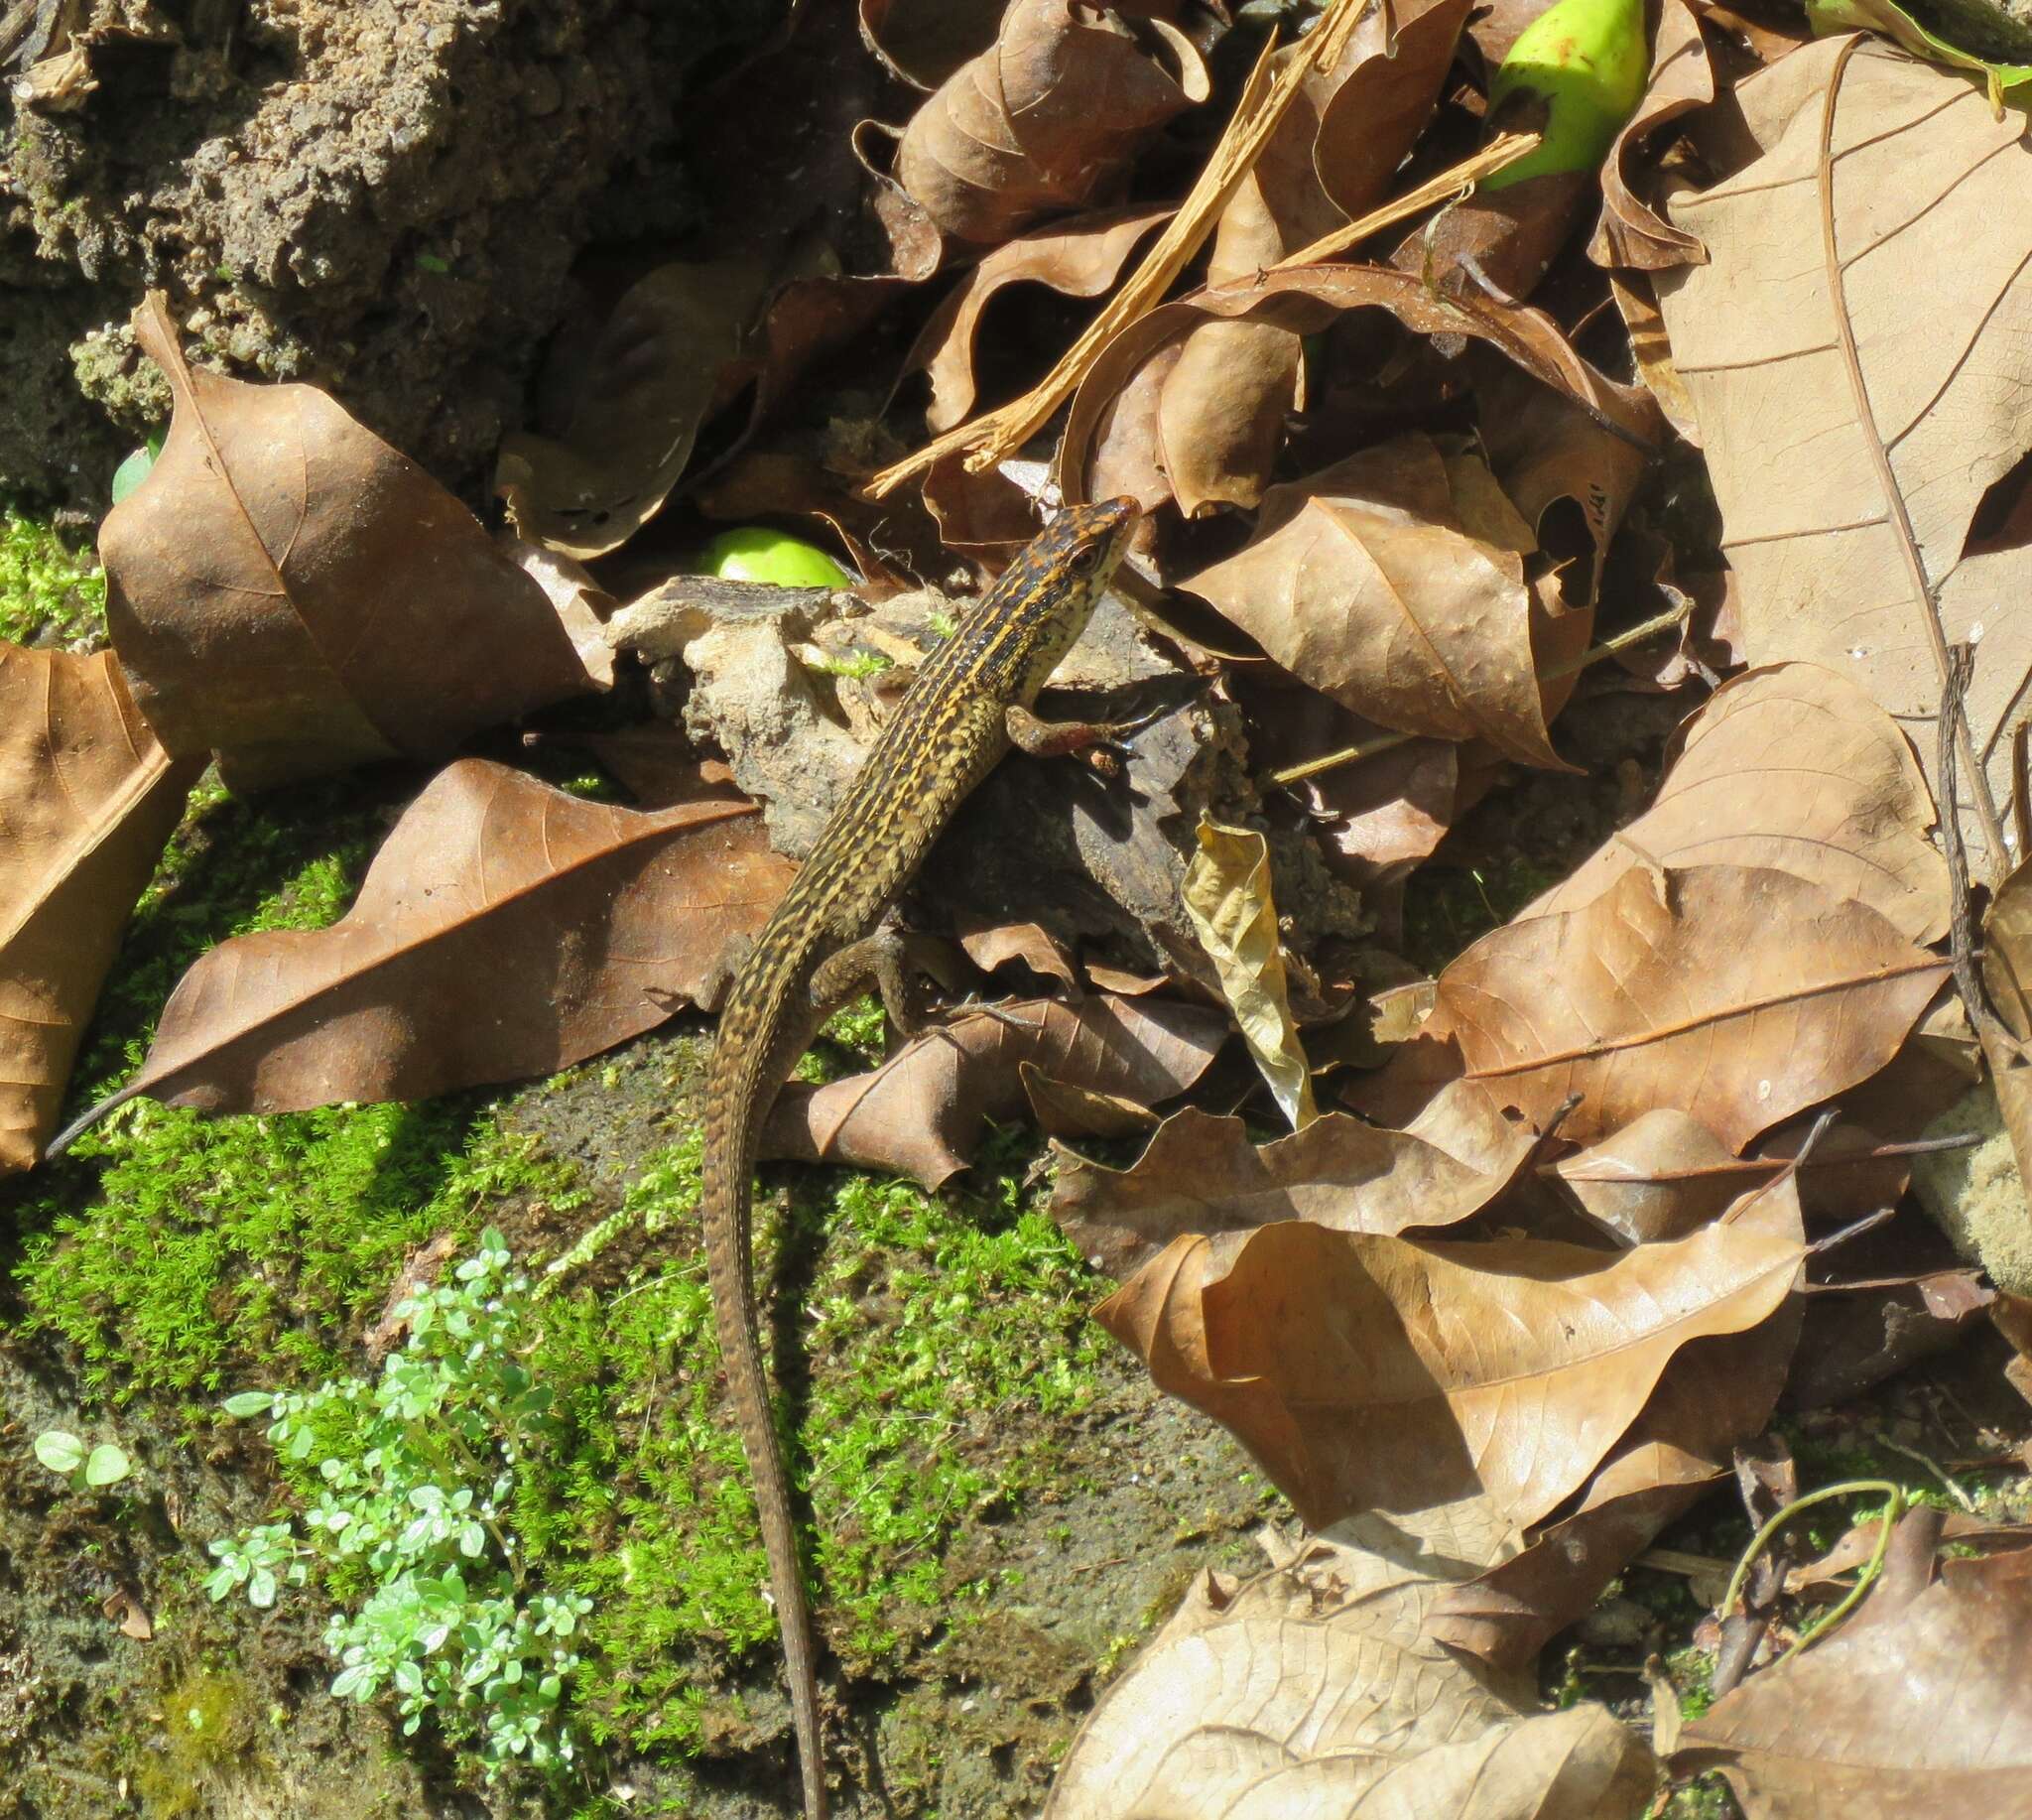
(729,1163)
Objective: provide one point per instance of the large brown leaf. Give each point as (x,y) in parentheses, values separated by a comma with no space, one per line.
(87,798)
(1039,121)
(1201,1174)
(1394,583)
(287,588)
(504,928)
(1795,768)
(1738,994)
(1922,1710)
(1370,1372)
(1859,350)
(1716,1392)
(922,1112)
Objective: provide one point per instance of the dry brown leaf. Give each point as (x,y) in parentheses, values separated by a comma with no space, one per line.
(1631,233)
(87,798)
(2007,978)
(1660,1177)
(1393,581)
(1306,1692)
(922,1112)
(1738,994)
(1081,258)
(1221,409)
(1715,1393)
(922,42)
(993,945)
(1795,768)
(504,928)
(1226,893)
(1860,353)
(1201,1174)
(1041,120)
(289,590)
(1371,1372)
(660,365)
(1926,1711)
(1309,299)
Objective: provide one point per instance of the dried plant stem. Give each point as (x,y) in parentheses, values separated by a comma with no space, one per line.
(1383,743)
(1452,185)
(1264,103)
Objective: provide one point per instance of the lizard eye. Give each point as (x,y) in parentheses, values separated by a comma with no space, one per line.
(1085,560)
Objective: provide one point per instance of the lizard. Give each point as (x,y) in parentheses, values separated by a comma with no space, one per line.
(969,703)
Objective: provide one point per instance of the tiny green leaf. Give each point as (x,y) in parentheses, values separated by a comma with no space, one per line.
(59,1451)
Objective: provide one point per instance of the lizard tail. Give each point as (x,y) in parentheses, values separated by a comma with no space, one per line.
(725,1201)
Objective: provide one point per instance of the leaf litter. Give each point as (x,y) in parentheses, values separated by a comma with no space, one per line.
(1495,1272)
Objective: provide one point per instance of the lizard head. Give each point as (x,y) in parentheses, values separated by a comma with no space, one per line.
(1054,587)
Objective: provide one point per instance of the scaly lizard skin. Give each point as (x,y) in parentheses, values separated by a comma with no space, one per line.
(969,703)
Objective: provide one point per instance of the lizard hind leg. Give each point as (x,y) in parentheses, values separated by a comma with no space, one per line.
(894,963)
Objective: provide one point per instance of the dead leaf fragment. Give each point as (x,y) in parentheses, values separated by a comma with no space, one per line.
(1928,1710)
(87,799)
(288,589)
(1394,583)
(1201,1174)
(504,928)
(922,1112)
(1080,258)
(1736,995)
(1226,894)
(1371,1372)
(1869,293)
(1795,768)
(1039,121)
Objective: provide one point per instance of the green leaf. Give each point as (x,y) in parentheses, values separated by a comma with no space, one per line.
(135,469)
(249,1402)
(2005,47)
(59,1451)
(108,1465)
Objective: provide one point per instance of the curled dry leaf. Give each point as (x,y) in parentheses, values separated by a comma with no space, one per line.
(1042,119)
(1226,893)
(1738,994)
(660,365)
(87,799)
(1080,258)
(1309,299)
(1794,769)
(1201,1174)
(504,928)
(1660,1177)
(1870,291)
(1370,1372)
(1631,233)
(287,588)
(1393,581)
(1925,1710)
(922,42)
(922,1112)
(1220,413)
(2007,980)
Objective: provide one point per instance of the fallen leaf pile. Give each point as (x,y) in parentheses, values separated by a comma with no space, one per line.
(1653,534)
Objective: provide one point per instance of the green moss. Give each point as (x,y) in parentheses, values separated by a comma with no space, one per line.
(52,591)
(207,1726)
(940,1330)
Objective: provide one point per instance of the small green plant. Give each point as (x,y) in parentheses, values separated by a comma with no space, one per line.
(88,1469)
(415,1477)
(861,664)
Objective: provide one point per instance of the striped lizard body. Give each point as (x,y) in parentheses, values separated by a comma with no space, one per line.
(969,703)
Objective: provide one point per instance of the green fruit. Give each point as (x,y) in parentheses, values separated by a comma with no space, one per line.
(1588,60)
(756,554)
